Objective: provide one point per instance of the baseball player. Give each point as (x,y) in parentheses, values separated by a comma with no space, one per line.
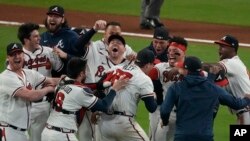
(176,52)
(99,61)
(65,42)
(71,96)
(159,46)
(17,86)
(235,72)
(43,60)
(119,123)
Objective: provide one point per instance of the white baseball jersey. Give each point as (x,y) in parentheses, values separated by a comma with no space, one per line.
(236,73)
(15,110)
(42,60)
(98,62)
(71,97)
(163,69)
(239,83)
(139,86)
(125,127)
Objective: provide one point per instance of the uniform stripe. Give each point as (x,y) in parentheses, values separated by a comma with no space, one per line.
(13,94)
(93,103)
(147,95)
(86,53)
(67,137)
(135,129)
(40,82)
(223,65)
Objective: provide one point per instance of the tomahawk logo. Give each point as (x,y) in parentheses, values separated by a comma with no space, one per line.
(14,46)
(55,9)
(60,44)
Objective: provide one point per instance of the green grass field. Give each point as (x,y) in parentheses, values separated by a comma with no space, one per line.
(223,11)
(234,12)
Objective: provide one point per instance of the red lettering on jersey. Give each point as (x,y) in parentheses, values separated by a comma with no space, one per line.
(38,62)
(174,76)
(165,76)
(100,71)
(115,75)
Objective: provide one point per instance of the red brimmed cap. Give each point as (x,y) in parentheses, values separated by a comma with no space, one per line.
(229,41)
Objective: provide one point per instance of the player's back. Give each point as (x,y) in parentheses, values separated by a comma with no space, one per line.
(70,99)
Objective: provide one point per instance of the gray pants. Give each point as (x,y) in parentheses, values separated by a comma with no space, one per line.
(150,9)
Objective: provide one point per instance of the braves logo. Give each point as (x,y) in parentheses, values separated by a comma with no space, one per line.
(60,44)
(38,62)
(173,77)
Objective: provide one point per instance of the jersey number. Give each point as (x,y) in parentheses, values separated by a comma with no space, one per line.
(59,100)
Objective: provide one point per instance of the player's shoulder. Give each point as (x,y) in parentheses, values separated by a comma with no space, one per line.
(68,33)
(139,74)
(30,73)
(46,48)
(164,65)
(84,90)
(99,44)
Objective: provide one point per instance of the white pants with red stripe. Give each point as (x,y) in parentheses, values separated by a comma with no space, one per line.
(39,116)
(10,134)
(159,133)
(122,128)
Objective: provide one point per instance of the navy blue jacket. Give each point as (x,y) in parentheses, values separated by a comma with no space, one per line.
(195,99)
(65,39)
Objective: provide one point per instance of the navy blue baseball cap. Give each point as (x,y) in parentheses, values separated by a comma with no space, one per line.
(191,63)
(145,56)
(161,33)
(229,41)
(118,37)
(14,47)
(57,10)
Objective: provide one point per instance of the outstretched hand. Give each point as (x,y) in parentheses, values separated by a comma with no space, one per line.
(60,53)
(120,83)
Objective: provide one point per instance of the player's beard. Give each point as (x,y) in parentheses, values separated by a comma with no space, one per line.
(53,28)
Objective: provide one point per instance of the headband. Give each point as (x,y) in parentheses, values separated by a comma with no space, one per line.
(180,46)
